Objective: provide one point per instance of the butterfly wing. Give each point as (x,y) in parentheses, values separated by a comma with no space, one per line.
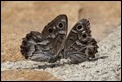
(79,45)
(56,32)
(44,46)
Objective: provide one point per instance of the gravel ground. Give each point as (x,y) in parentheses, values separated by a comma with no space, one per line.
(108,67)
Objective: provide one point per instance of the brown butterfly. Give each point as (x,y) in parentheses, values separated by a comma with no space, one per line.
(53,43)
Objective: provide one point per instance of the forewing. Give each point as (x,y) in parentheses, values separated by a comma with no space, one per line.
(56,32)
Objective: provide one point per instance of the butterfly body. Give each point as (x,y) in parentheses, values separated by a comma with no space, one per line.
(52,44)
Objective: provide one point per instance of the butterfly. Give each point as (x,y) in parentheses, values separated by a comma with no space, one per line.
(53,43)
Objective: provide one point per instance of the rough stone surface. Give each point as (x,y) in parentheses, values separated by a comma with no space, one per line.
(19,18)
(107,68)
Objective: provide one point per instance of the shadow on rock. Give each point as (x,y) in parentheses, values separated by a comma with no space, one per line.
(52,65)
(95,59)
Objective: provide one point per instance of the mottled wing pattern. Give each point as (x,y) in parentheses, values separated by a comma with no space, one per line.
(79,45)
(56,32)
(34,47)
(44,46)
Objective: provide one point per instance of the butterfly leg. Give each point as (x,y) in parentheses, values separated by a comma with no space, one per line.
(55,58)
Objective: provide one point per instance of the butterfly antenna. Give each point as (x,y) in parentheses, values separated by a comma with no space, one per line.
(79,13)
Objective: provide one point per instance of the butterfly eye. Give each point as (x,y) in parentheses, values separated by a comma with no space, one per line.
(60,25)
(84,35)
(50,30)
(79,27)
